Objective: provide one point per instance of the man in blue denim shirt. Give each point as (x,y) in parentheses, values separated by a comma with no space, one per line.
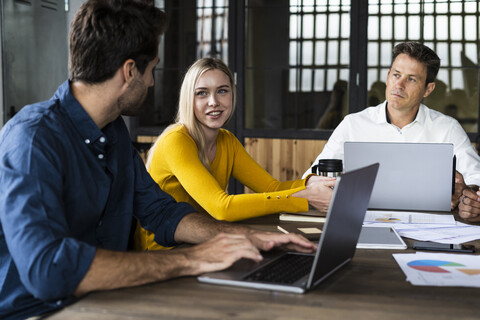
(70,181)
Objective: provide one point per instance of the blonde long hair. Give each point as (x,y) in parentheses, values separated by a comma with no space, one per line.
(186,110)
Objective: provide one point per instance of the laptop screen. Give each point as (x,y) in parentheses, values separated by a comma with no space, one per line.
(412,176)
(344,222)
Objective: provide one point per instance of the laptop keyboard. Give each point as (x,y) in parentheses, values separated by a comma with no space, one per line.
(287,269)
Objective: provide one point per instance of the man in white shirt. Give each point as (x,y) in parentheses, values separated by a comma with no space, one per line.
(403,117)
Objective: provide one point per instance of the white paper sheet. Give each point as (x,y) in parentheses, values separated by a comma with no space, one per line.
(396,217)
(424,226)
(440,269)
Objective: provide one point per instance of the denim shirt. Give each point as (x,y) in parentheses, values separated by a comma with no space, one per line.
(66,188)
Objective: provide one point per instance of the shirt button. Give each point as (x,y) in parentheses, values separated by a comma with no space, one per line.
(58,303)
(268,197)
(87,141)
(278,197)
(102,139)
(288,196)
(100,224)
(101,156)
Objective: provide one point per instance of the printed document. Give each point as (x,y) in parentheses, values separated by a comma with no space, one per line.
(440,269)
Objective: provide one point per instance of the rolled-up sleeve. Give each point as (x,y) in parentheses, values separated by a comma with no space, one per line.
(50,262)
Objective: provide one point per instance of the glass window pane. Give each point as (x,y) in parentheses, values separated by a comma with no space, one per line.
(442,52)
(471,6)
(456,7)
(319,80)
(321,6)
(414,28)
(372,28)
(442,7)
(371,77)
(320,50)
(292,56)
(470,27)
(306,80)
(293,26)
(344,52)
(345,25)
(332,57)
(428,30)
(307,53)
(471,52)
(386,30)
(400,27)
(429,8)
(456,23)
(308,5)
(372,54)
(334,5)
(292,83)
(307,26)
(456,49)
(443,76)
(372,8)
(331,79)
(457,80)
(333,25)
(386,8)
(442,28)
(414,7)
(386,54)
(344,74)
(400,8)
(321,26)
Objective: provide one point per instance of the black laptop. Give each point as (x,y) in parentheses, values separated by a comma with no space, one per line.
(296,272)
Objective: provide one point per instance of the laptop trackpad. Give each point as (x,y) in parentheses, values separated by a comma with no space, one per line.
(243,266)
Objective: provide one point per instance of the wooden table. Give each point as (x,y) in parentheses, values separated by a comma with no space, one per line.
(372,286)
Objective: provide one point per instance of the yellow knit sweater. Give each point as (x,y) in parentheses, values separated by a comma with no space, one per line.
(178,171)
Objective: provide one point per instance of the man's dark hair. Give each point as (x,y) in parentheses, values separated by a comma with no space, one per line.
(106,33)
(421,53)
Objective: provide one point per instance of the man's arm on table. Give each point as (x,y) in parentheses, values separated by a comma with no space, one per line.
(221,245)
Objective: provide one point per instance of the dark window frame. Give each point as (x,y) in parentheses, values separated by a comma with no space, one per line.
(357,74)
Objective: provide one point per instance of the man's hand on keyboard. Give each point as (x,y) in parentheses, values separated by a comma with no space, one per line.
(290,242)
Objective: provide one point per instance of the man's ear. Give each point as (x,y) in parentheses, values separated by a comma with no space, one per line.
(430,88)
(128,70)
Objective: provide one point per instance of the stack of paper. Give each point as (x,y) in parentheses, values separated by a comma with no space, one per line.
(425,226)
(440,269)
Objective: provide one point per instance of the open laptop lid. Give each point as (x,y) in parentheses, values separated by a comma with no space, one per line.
(336,245)
(344,222)
(412,176)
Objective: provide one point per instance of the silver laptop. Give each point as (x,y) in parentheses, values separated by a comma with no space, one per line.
(296,272)
(412,176)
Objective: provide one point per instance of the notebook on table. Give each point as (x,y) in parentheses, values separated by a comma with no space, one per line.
(412,176)
(296,272)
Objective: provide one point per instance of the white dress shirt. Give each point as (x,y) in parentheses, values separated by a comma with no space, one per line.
(430,126)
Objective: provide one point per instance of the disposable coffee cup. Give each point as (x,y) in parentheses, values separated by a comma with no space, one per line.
(328,167)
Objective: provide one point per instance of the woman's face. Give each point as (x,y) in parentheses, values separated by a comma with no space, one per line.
(213,99)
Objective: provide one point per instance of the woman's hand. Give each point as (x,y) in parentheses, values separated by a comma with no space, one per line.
(318,192)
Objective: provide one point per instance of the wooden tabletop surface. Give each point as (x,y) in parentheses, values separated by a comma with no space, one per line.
(372,286)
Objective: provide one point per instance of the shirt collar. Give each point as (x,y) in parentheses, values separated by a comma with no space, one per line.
(80,118)
(383,115)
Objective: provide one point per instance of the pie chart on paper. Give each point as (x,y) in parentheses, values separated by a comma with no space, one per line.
(437,266)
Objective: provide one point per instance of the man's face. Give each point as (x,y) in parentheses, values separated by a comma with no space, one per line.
(131,101)
(405,87)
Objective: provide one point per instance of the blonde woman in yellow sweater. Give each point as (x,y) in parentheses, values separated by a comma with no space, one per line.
(193,158)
